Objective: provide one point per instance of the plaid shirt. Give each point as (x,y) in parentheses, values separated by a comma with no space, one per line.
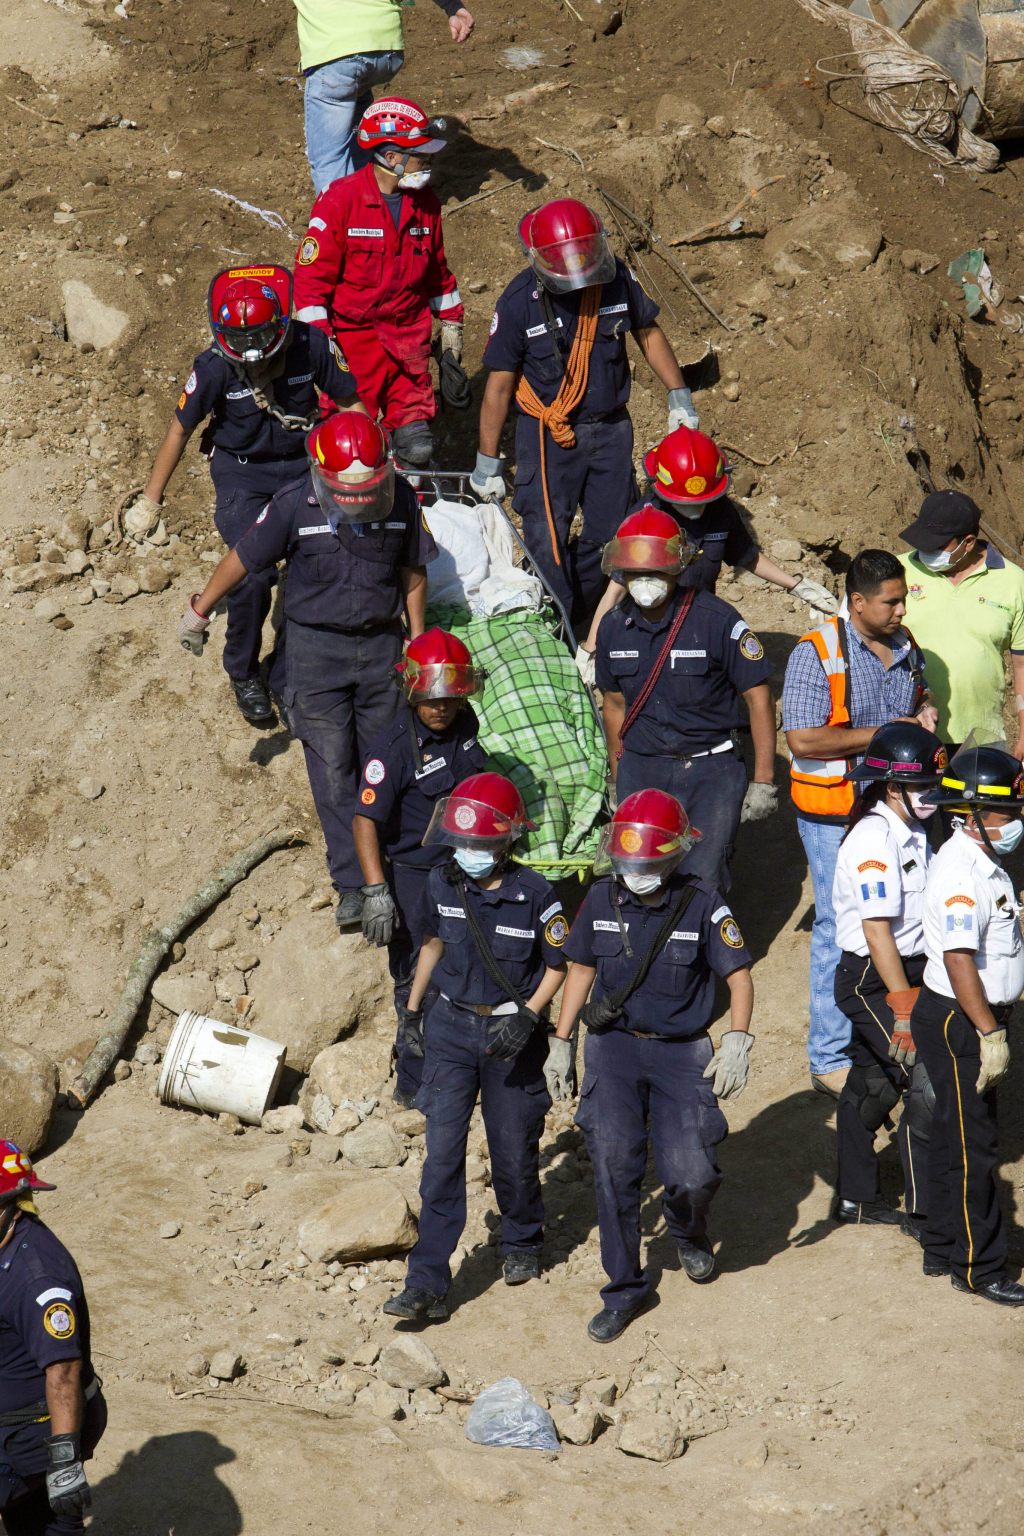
(875,694)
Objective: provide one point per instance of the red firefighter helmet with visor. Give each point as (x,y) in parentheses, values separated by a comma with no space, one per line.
(566,246)
(649,539)
(649,834)
(352,469)
(437,665)
(485,811)
(687,468)
(249,310)
(395,122)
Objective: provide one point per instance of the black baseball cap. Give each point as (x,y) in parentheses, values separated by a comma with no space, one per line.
(944,515)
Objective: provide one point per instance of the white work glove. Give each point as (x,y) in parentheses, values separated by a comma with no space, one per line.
(487,479)
(759,802)
(67,1489)
(451,338)
(586,666)
(558,1068)
(729,1065)
(995,1059)
(192,627)
(681,411)
(813,592)
(142,516)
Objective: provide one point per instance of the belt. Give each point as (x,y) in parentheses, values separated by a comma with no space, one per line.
(482,1010)
(723,746)
(38,1413)
(643,1034)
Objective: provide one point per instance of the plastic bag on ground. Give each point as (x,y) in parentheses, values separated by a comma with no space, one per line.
(506,1414)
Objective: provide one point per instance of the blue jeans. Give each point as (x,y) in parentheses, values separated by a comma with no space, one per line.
(830,1032)
(337,95)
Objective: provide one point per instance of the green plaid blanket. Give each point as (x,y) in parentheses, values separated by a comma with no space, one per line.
(538,728)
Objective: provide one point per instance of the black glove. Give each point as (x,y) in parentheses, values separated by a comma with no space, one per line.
(600,1016)
(410,1030)
(508,1033)
(378,917)
(66,1487)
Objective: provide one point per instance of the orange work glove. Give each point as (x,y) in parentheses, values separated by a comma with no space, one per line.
(901,1042)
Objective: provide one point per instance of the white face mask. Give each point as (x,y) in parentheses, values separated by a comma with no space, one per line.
(476,862)
(647,591)
(1008,838)
(938,559)
(643,885)
(412,181)
(920,809)
(690,512)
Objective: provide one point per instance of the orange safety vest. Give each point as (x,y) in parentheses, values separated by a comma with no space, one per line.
(819,786)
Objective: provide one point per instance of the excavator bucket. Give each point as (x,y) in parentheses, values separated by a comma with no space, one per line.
(980,45)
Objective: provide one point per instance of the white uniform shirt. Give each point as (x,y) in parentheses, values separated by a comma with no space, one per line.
(880,872)
(970,904)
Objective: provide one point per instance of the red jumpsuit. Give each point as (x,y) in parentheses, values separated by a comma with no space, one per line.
(377,288)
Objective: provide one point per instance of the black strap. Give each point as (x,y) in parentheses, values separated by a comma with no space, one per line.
(32,1413)
(479,938)
(559,345)
(623,931)
(617,1000)
(414,738)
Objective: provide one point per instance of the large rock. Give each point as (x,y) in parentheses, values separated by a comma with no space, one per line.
(89,321)
(181,994)
(314,985)
(28,1095)
(372,1145)
(410,1363)
(484,1476)
(655,1436)
(366,1219)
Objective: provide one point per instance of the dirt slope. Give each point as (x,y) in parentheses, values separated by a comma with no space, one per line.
(855,1393)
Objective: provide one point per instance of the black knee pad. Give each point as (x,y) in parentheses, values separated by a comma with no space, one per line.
(920,1105)
(873,1094)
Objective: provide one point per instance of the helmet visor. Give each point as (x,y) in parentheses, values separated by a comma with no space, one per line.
(646,552)
(356,495)
(581,262)
(441,680)
(637,848)
(460,822)
(250,344)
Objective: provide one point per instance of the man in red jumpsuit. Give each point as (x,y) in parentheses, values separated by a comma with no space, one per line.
(372,269)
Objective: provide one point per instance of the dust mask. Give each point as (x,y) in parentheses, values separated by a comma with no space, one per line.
(647,591)
(646,885)
(938,559)
(413,181)
(919,807)
(1009,836)
(475,862)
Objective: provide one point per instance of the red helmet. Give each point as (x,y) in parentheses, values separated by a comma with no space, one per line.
(249,309)
(484,811)
(350,461)
(687,468)
(647,540)
(437,665)
(565,245)
(18,1178)
(397,123)
(650,832)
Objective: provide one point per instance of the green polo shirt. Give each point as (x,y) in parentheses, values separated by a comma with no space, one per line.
(964,631)
(334,29)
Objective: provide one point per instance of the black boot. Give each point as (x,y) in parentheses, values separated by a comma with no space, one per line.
(415,1305)
(1005,1293)
(520,1265)
(610,1323)
(697,1258)
(253,700)
(867,1213)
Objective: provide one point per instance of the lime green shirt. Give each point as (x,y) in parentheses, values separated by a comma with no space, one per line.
(964,632)
(334,29)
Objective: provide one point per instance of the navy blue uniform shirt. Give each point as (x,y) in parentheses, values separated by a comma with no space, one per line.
(44,1316)
(312,362)
(400,796)
(678,993)
(520,341)
(524,924)
(719,536)
(346,578)
(696,700)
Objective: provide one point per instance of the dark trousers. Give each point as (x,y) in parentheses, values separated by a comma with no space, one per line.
(243,490)
(408,885)
(711,790)
(514,1100)
(965,1224)
(632,1089)
(596,476)
(340,693)
(875,1086)
(24,1508)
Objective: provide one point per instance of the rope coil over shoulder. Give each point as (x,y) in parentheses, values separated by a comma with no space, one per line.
(554,418)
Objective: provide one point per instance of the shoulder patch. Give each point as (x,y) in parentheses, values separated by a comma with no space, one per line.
(720,912)
(731,935)
(960,900)
(181,400)
(375,772)
(309,250)
(191,383)
(59,1320)
(55,1293)
(751,647)
(317,223)
(368,796)
(556,931)
(263,515)
(872,864)
(739,628)
(494,323)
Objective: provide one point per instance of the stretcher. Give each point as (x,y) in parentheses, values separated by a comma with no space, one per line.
(540,725)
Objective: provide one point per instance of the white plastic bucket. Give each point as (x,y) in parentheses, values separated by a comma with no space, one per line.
(220,1068)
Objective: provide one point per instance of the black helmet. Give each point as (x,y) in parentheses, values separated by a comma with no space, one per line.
(902,752)
(981,778)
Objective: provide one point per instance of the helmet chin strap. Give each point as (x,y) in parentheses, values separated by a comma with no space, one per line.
(976,819)
(8,1216)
